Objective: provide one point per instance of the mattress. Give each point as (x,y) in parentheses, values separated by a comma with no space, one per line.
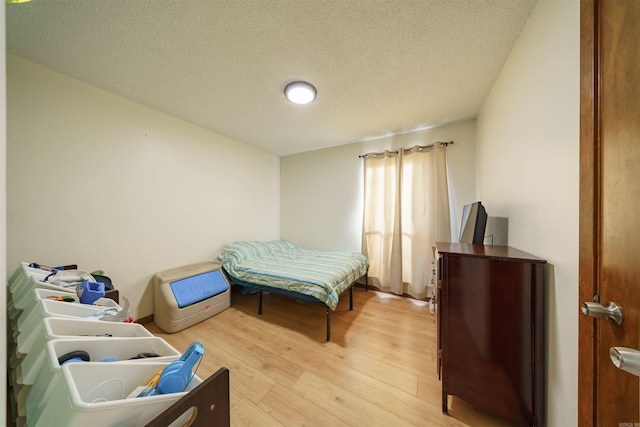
(323,275)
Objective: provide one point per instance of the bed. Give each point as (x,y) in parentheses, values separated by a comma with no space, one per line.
(283,268)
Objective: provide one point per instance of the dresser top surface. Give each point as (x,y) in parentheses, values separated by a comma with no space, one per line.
(490,251)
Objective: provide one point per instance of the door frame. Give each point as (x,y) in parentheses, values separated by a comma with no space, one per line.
(589,216)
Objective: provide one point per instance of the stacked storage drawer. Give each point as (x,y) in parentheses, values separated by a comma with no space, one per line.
(41,330)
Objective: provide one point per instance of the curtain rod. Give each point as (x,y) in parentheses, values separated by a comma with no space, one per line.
(408,150)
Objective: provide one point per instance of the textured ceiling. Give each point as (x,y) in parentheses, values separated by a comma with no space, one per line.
(380,67)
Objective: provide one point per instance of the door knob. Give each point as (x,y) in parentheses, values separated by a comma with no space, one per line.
(626,359)
(610,310)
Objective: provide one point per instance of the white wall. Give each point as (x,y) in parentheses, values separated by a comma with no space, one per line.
(105,183)
(528,171)
(322,191)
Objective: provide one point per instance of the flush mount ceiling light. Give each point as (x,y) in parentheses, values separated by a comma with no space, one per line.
(300,92)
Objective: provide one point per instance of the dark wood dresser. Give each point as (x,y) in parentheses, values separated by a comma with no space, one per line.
(490,316)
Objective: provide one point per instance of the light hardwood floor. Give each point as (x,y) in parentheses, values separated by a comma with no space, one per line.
(379,369)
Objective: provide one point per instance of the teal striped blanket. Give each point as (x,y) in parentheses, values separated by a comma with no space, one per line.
(323,275)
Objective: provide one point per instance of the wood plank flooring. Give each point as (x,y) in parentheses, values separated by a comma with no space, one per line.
(379,369)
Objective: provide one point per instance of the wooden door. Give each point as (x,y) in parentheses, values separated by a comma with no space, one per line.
(609,206)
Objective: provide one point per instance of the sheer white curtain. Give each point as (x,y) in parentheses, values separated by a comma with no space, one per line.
(406,210)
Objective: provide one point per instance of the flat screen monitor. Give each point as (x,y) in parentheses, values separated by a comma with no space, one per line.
(474,221)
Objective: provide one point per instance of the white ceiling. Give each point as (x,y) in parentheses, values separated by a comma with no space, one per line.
(380,66)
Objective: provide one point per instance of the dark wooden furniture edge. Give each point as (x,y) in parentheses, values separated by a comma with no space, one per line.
(488,251)
(504,254)
(210,401)
(589,188)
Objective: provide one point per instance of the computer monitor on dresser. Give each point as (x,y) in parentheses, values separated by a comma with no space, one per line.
(474,222)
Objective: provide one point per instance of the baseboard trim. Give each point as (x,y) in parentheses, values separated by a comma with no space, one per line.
(144,320)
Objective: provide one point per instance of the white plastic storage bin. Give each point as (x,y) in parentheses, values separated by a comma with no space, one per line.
(65,309)
(94,394)
(60,327)
(23,275)
(48,294)
(23,296)
(26,279)
(67,328)
(17,275)
(30,328)
(120,349)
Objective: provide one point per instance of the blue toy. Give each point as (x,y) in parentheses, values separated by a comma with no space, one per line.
(89,292)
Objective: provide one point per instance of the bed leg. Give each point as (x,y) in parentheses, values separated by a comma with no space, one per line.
(328,324)
(260,302)
(351,298)
(366,282)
